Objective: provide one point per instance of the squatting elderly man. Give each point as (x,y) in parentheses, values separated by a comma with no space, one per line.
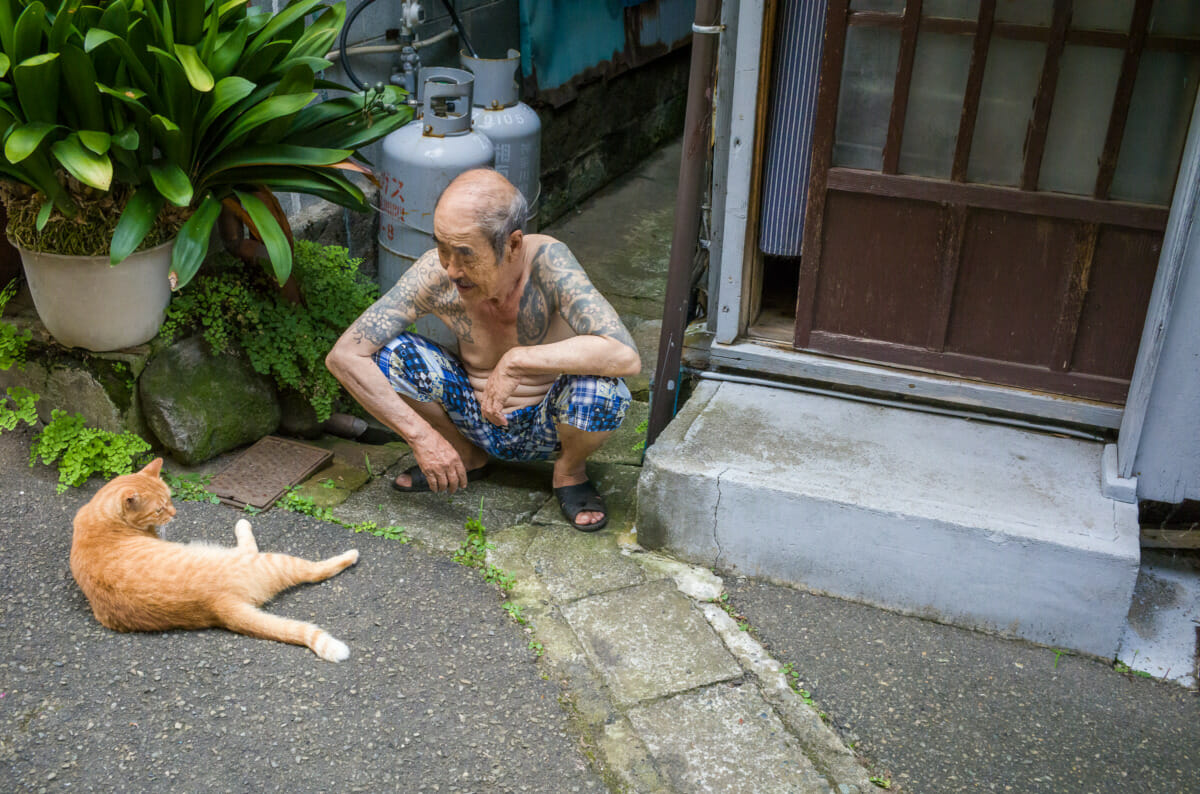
(540,361)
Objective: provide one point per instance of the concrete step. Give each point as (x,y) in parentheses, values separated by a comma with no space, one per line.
(964,522)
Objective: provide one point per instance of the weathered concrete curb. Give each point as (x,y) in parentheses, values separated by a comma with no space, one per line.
(636,749)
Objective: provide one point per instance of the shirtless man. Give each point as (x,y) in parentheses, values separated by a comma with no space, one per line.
(541,352)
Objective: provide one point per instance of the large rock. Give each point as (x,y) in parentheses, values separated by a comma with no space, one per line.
(200,404)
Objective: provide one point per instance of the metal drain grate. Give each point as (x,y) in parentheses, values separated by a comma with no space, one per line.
(261,474)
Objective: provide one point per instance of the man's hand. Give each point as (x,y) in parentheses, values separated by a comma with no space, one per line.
(500,386)
(440,463)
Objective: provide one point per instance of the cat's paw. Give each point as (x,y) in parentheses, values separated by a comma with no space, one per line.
(351,557)
(245,538)
(330,649)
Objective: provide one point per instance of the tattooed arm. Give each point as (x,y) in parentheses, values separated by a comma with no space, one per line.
(419,291)
(600,346)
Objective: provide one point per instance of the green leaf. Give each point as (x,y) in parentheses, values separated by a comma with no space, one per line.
(227,93)
(189,21)
(7,26)
(228,50)
(127,139)
(24,140)
(296,11)
(270,233)
(191,246)
(63,19)
(83,96)
(43,215)
(135,223)
(95,140)
(253,67)
(97,37)
(172,183)
(27,33)
(319,37)
(36,81)
(85,165)
(197,73)
(277,154)
(265,111)
(4,64)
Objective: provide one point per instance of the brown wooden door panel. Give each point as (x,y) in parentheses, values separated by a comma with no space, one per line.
(864,289)
(1012,285)
(1009,286)
(1122,276)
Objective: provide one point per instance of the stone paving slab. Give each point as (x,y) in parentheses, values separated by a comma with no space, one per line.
(511,495)
(726,738)
(648,641)
(573,564)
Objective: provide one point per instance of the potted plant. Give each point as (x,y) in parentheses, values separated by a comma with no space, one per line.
(130,126)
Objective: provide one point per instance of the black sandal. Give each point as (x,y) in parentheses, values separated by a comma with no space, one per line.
(421,485)
(576,499)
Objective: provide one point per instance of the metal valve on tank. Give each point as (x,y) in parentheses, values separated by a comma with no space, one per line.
(419,160)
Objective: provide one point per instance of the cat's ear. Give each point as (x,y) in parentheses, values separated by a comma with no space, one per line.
(130,501)
(153,467)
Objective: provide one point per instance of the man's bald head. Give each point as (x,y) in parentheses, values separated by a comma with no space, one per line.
(494,204)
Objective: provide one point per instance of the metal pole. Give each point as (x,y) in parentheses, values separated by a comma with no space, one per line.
(696,133)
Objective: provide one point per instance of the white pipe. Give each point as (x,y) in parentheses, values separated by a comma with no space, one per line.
(367,49)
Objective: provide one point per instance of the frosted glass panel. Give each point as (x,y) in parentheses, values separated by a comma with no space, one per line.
(1157,125)
(868,79)
(951,9)
(1102,15)
(877,5)
(1010,84)
(1087,82)
(1026,12)
(935,99)
(1175,18)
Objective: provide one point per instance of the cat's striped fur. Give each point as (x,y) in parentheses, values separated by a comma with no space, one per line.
(135,581)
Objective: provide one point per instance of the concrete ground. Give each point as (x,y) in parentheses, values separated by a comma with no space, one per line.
(601,667)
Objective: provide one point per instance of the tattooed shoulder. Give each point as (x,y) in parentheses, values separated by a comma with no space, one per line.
(572,295)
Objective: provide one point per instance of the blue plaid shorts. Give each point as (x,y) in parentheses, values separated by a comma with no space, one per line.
(424,371)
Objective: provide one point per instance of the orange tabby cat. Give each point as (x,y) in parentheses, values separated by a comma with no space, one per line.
(137,582)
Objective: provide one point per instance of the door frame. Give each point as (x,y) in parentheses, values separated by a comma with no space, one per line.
(734,262)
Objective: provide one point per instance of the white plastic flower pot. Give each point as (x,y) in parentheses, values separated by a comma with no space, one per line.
(85,302)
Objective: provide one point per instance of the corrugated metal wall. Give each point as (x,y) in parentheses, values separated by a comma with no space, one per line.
(790,116)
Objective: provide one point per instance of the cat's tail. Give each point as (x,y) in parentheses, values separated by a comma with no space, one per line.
(247,619)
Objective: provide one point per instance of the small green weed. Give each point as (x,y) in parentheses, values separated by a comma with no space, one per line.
(21,406)
(294,502)
(1125,669)
(516,612)
(473,551)
(499,576)
(723,602)
(793,679)
(189,487)
(12,342)
(537,648)
(82,451)
(882,782)
(642,427)
(1058,654)
(390,532)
